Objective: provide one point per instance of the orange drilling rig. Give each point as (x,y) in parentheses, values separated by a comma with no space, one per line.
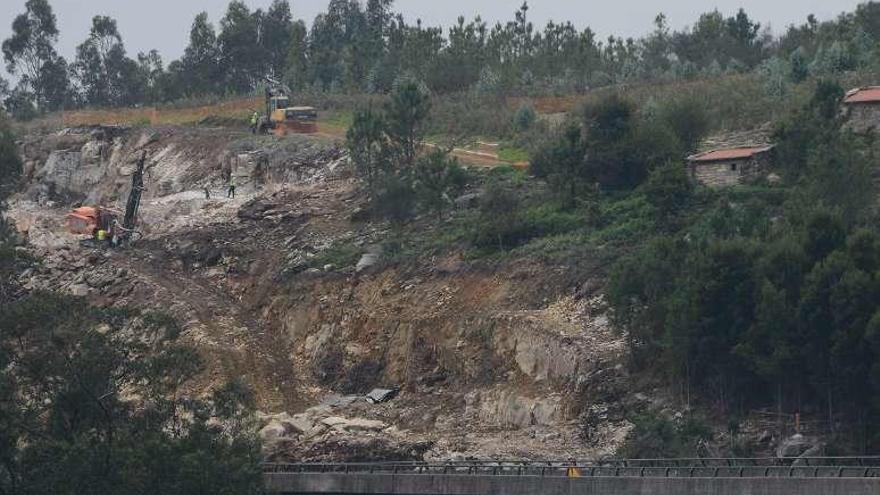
(103,223)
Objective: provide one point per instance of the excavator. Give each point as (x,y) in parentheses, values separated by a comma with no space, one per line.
(282,118)
(102,223)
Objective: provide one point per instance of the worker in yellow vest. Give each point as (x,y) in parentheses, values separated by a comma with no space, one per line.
(254,120)
(230,192)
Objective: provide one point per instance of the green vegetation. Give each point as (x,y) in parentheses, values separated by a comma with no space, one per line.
(616,148)
(513,154)
(340,255)
(769,295)
(367,48)
(10,171)
(387,149)
(339,119)
(524,118)
(744,297)
(92,399)
(656,437)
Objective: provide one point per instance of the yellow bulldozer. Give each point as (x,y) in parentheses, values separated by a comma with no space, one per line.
(280,117)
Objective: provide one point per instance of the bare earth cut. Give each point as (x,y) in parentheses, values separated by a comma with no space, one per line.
(511,359)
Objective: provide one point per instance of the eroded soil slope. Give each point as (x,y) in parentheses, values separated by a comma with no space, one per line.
(510,359)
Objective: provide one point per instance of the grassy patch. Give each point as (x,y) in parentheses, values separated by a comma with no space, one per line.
(232,110)
(340,255)
(337,118)
(512,154)
(624,220)
(516,176)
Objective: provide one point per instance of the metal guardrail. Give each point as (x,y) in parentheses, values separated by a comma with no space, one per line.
(809,467)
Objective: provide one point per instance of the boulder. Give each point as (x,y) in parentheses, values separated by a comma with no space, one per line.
(353,425)
(797,445)
(272,432)
(300,423)
(469,200)
(368,260)
(98,280)
(283,425)
(817,450)
(378,395)
(147,138)
(79,290)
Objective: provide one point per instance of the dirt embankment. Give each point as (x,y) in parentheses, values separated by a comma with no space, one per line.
(491,361)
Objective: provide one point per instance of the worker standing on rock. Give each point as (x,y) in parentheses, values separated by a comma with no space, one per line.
(231,192)
(254,119)
(207,192)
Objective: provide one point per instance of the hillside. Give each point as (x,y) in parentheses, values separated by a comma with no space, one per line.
(363,239)
(261,295)
(517,315)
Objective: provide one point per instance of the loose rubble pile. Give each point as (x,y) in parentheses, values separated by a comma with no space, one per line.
(320,434)
(79,271)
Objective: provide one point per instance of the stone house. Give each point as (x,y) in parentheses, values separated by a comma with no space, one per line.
(862,106)
(729,166)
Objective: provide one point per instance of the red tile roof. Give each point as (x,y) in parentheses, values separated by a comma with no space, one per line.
(729,154)
(870,94)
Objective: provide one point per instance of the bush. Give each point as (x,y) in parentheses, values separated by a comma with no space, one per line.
(438,180)
(656,437)
(614,148)
(338,255)
(464,114)
(524,118)
(688,120)
(396,200)
(10,171)
(669,190)
(505,222)
(498,225)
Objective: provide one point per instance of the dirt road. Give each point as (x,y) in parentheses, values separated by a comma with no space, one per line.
(471,158)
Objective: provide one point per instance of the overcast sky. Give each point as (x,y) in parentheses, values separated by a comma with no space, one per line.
(164,24)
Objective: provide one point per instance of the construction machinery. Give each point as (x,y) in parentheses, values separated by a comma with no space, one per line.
(88,220)
(282,118)
(101,222)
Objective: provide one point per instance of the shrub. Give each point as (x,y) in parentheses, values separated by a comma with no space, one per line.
(669,190)
(688,120)
(338,255)
(524,118)
(498,224)
(396,200)
(655,437)
(438,180)
(614,149)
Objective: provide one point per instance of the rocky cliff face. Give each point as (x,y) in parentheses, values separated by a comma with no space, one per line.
(492,360)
